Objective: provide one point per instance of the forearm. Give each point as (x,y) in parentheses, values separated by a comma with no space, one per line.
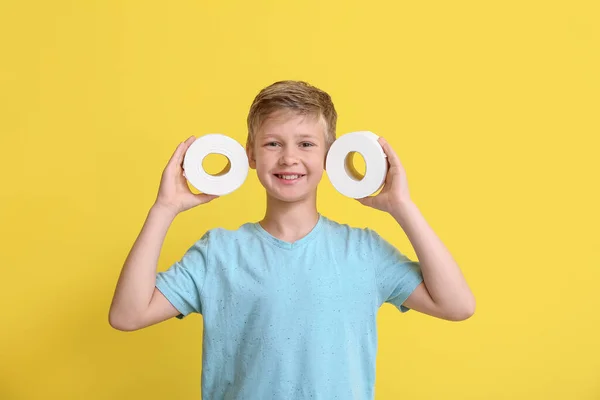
(441,274)
(138,276)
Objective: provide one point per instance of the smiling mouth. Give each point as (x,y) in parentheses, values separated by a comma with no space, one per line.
(287,177)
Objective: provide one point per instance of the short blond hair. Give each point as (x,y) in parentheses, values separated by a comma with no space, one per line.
(295,96)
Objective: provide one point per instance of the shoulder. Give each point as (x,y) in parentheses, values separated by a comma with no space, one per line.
(350,234)
(243,231)
(226,238)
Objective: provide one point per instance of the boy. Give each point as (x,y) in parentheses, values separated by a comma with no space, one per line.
(289,303)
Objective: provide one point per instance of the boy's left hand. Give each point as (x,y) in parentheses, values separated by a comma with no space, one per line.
(395,190)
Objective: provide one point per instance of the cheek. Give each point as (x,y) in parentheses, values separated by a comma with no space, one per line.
(262,165)
(318,161)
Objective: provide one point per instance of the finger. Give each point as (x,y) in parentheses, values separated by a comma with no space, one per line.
(190,140)
(176,154)
(393,158)
(186,146)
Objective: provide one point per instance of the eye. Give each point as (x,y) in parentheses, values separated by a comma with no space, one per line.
(271,144)
(306,144)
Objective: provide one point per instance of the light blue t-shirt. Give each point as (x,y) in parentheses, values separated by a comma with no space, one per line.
(289,320)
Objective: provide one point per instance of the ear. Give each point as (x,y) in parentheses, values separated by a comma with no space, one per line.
(251,156)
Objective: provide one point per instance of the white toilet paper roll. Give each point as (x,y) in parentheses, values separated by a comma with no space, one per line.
(228,180)
(343,175)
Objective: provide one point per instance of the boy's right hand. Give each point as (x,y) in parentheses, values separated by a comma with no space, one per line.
(174,193)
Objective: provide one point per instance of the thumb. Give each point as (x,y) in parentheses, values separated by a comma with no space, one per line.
(366,201)
(202,198)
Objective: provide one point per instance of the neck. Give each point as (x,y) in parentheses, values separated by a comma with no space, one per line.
(290,221)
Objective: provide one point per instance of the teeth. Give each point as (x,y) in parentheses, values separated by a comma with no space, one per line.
(288,177)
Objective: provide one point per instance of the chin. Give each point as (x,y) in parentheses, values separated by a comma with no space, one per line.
(290,198)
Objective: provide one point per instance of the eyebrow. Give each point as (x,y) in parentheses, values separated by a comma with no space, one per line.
(301,136)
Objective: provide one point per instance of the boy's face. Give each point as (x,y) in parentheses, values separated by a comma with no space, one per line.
(289,155)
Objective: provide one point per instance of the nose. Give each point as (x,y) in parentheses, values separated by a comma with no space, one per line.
(288,156)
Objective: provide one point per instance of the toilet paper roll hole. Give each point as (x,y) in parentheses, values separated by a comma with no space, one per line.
(356,167)
(216,164)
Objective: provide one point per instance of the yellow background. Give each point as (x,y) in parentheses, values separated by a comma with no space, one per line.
(493,108)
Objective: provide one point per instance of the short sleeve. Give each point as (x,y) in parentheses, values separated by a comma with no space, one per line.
(396,275)
(182,283)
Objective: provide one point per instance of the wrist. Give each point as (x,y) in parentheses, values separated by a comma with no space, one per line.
(403,210)
(163,210)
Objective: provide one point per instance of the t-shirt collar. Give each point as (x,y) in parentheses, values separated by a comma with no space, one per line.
(287,245)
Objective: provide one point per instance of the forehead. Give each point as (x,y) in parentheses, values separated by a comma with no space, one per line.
(289,123)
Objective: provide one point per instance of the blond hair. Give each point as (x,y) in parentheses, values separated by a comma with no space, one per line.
(296,96)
